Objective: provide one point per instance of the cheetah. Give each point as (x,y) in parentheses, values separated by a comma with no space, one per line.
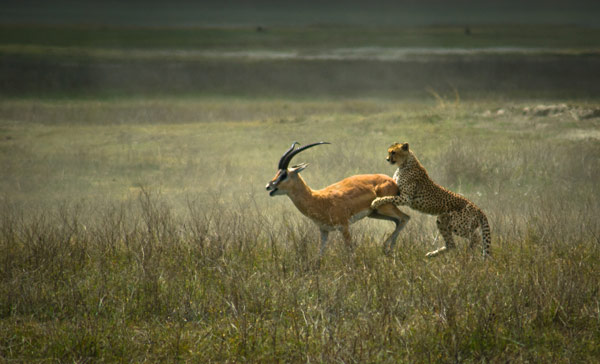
(455,214)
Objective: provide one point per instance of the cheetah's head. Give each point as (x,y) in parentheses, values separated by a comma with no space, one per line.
(398,153)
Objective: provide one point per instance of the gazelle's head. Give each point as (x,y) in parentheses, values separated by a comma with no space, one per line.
(398,153)
(286,177)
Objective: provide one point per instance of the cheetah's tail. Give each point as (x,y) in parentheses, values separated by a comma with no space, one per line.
(486,237)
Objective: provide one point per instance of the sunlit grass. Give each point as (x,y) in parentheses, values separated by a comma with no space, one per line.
(139,230)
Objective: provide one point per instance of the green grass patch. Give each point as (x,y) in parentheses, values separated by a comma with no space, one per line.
(139,230)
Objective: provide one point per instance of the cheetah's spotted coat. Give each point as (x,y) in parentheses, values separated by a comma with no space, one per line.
(455,214)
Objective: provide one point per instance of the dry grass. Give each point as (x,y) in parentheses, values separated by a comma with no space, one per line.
(230,285)
(155,241)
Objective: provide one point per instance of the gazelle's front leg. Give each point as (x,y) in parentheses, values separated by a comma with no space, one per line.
(324,236)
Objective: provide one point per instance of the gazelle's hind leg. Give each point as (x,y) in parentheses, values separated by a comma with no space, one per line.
(391,213)
(444,222)
(347,236)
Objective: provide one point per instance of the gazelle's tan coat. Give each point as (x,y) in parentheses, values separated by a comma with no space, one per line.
(337,206)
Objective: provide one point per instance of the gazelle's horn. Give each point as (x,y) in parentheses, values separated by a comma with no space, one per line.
(287,157)
(282,160)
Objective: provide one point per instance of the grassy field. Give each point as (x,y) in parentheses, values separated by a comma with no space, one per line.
(150,237)
(135,227)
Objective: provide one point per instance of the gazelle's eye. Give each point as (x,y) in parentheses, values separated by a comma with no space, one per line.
(282,176)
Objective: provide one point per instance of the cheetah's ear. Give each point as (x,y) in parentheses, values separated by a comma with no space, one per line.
(405,146)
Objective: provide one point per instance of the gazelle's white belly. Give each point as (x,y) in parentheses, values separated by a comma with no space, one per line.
(354,218)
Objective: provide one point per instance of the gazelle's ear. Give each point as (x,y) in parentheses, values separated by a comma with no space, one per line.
(298,168)
(405,146)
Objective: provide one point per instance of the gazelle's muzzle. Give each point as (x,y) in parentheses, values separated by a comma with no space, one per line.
(271,187)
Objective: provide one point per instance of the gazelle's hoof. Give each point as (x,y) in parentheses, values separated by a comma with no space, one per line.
(387,251)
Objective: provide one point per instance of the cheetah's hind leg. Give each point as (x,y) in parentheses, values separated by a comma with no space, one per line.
(474,238)
(443,223)
(436,252)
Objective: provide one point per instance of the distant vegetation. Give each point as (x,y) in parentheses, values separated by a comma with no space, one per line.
(92,61)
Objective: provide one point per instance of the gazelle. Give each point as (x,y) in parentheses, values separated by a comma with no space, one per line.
(337,206)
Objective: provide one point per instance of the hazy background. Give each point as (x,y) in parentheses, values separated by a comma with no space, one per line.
(291,49)
(295,13)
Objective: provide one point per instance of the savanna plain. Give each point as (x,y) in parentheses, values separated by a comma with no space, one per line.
(135,225)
